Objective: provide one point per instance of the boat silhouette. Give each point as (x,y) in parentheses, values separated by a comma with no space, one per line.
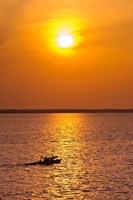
(46,161)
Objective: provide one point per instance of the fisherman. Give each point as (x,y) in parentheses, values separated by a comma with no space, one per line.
(42,159)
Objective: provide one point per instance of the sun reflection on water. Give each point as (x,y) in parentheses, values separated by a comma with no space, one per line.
(66,136)
(69,148)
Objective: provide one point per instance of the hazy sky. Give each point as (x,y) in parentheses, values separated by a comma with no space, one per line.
(97,72)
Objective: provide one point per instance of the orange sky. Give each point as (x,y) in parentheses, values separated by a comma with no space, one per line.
(97,72)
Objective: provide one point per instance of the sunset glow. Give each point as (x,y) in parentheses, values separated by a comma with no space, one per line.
(66,100)
(66,54)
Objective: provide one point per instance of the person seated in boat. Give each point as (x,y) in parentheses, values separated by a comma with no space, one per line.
(42,159)
(46,159)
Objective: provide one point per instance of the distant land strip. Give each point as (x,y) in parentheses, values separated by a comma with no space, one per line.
(66,111)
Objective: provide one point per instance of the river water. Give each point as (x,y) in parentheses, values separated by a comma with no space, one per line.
(96,152)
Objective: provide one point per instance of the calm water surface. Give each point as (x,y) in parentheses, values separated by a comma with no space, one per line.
(96,152)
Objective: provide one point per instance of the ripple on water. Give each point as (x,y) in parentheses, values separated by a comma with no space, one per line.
(95,150)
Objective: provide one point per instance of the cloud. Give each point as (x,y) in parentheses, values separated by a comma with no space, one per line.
(117,34)
(11,13)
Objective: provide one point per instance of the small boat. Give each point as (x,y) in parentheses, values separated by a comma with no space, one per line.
(46,161)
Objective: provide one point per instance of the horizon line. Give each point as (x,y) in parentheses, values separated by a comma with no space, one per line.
(69,110)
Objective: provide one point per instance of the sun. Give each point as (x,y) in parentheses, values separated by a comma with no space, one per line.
(63,35)
(65,40)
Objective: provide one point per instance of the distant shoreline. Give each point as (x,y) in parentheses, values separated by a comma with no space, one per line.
(65,111)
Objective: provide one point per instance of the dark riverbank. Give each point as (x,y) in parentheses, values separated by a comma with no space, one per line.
(66,111)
